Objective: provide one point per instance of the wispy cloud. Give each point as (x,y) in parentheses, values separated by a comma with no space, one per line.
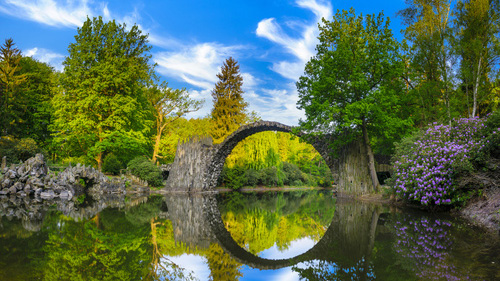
(197,64)
(303,47)
(51,12)
(47,56)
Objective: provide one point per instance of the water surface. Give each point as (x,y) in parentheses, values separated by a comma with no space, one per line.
(306,235)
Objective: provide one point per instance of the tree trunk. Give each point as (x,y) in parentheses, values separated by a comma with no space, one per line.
(371,159)
(474,95)
(156,148)
(99,161)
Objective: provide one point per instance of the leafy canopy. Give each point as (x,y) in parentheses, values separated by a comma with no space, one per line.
(102,108)
(354,79)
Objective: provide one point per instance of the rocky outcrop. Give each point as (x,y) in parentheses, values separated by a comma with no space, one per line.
(33,177)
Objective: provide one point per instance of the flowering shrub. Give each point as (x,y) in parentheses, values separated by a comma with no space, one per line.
(425,167)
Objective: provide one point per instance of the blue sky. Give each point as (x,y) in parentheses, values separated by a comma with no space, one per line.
(272,40)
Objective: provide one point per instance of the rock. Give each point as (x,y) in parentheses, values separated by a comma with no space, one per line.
(66,195)
(27,188)
(4,192)
(6,183)
(37,182)
(12,190)
(47,194)
(11,174)
(18,186)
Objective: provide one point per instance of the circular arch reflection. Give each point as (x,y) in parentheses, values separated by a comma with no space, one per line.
(338,243)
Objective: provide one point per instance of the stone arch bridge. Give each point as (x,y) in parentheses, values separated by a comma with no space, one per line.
(198,163)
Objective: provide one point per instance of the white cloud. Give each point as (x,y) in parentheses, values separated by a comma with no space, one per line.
(47,56)
(302,48)
(51,12)
(197,64)
(276,104)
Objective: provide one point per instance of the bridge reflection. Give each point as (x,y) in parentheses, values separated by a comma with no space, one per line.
(349,237)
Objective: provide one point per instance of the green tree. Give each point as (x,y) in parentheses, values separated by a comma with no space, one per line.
(229,111)
(352,87)
(10,81)
(102,108)
(168,105)
(37,92)
(428,29)
(476,32)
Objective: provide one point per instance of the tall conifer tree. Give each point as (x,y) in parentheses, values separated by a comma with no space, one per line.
(229,111)
(10,80)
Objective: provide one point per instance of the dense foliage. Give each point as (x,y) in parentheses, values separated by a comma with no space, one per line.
(275,159)
(144,169)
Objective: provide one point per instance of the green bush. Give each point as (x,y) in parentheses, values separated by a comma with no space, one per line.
(18,149)
(252,177)
(234,178)
(293,173)
(269,176)
(144,169)
(112,164)
(26,148)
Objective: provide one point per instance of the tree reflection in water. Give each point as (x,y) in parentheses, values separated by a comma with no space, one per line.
(171,238)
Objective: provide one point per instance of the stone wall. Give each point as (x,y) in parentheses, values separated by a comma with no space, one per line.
(187,173)
(354,176)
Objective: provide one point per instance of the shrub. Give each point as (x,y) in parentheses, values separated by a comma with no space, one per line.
(26,148)
(112,164)
(252,177)
(18,149)
(234,178)
(292,172)
(144,169)
(425,168)
(269,176)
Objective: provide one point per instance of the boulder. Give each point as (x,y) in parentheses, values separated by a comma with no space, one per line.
(18,186)
(12,190)
(47,194)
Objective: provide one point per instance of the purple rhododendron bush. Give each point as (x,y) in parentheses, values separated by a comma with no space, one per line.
(433,166)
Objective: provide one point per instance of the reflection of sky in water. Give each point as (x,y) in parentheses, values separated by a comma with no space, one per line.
(296,248)
(193,263)
(198,264)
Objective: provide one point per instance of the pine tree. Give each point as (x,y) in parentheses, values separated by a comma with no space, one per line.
(229,111)
(10,80)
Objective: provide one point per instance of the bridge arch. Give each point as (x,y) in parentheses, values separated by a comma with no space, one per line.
(218,158)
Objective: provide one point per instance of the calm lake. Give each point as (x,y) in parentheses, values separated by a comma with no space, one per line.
(295,235)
